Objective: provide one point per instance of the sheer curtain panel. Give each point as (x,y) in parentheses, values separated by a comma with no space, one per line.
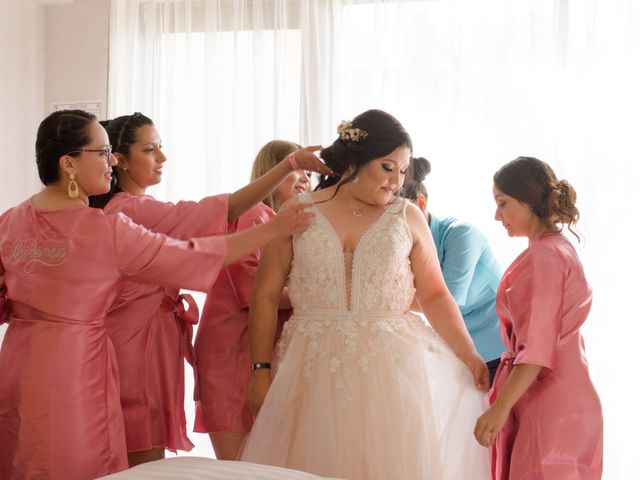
(476,82)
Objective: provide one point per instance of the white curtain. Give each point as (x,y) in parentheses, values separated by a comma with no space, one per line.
(476,83)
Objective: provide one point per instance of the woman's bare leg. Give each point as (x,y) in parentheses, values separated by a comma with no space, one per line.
(227,444)
(136,458)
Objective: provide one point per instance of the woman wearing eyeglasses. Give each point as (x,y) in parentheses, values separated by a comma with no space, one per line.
(149,326)
(61,267)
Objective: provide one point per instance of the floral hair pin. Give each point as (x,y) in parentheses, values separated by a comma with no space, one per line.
(349,133)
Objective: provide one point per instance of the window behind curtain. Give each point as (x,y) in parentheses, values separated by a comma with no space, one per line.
(476,83)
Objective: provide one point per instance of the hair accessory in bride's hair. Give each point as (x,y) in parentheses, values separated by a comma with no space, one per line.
(349,133)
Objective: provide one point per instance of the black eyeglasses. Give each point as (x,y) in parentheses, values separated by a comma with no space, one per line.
(104,152)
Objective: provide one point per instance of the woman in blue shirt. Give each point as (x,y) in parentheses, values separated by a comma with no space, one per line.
(469,268)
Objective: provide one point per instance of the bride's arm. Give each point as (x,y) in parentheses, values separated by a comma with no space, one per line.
(271,276)
(436,302)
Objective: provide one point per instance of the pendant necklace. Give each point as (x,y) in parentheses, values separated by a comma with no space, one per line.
(357,212)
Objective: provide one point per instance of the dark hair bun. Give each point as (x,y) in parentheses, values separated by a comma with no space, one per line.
(562,204)
(421,167)
(61,133)
(413,186)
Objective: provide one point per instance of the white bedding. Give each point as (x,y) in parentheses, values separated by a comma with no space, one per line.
(200,468)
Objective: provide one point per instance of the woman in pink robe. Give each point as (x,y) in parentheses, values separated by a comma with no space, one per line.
(222,342)
(150,327)
(545,419)
(61,266)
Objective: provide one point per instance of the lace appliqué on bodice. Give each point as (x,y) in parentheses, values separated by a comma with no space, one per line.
(337,338)
(381,279)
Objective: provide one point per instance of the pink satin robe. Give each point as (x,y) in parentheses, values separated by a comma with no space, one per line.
(60,414)
(554,431)
(222,341)
(152,332)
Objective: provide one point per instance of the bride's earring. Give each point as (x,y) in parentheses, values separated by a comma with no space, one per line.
(72,189)
(356,180)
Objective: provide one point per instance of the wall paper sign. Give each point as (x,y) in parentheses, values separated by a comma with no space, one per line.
(91,106)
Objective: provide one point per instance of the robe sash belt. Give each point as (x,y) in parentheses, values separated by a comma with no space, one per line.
(187,318)
(23,312)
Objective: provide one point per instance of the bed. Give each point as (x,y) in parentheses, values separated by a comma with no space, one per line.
(200,468)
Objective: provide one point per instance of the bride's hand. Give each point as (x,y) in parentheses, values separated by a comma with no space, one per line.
(258,387)
(478,369)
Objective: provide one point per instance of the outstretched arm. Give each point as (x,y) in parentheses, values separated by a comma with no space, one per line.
(436,302)
(4,304)
(242,200)
(289,221)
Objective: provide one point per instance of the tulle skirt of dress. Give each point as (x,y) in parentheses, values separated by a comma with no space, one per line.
(369,396)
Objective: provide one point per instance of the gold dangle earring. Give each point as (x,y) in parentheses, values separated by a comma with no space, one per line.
(72,190)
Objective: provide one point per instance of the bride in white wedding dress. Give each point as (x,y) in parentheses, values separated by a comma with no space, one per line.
(364,389)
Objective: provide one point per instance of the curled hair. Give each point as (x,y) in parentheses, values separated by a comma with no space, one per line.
(123,132)
(420,168)
(268,157)
(63,132)
(534,183)
(384,133)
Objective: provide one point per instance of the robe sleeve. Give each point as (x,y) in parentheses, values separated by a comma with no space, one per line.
(149,257)
(462,250)
(242,274)
(4,310)
(535,300)
(182,220)
(4,305)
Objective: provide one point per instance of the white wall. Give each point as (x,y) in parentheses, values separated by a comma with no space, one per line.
(21,97)
(77,46)
(50,50)
(21,74)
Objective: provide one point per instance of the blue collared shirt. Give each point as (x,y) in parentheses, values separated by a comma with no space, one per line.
(472,275)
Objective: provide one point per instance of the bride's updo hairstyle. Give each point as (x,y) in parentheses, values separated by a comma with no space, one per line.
(372,134)
(534,183)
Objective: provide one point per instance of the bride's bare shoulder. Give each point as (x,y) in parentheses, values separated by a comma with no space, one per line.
(315,197)
(307,197)
(322,195)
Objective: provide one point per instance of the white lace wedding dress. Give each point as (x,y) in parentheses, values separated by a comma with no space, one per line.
(364,389)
